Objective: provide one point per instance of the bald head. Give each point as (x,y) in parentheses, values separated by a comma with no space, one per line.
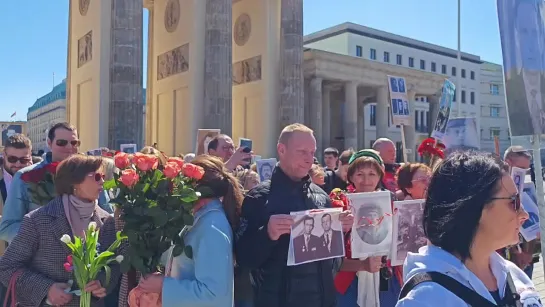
(387,150)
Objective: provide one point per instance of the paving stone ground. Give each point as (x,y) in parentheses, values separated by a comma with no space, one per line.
(539,280)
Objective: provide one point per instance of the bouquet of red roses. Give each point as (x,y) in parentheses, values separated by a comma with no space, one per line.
(431,149)
(41,183)
(155,206)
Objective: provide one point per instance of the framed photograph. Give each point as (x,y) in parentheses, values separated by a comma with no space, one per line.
(315,235)
(265,168)
(204,136)
(530,227)
(128,148)
(399,105)
(408,231)
(461,134)
(445,104)
(518,175)
(372,230)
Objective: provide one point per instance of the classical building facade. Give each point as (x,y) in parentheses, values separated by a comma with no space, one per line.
(494,122)
(406,54)
(45,112)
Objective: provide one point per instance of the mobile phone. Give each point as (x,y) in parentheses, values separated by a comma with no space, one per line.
(246,143)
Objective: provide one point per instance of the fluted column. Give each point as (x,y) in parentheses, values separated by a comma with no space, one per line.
(315,93)
(326,116)
(126,102)
(433,111)
(148,125)
(410,130)
(361,126)
(291,62)
(351,115)
(69,70)
(382,112)
(218,74)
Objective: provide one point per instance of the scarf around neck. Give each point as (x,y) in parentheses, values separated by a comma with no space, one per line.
(78,213)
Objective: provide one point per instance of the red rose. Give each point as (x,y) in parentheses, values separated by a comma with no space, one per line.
(122,160)
(177,160)
(36,175)
(129,177)
(69,259)
(193,171)
(67,267)
(171,170)
(144,162)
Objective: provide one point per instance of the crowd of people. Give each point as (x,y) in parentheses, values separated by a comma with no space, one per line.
(241,232)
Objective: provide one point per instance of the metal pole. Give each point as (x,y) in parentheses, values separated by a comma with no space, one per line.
(539,188)
(458,67)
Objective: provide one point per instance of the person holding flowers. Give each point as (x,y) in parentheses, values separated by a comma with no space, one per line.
(203,274)
(35,261)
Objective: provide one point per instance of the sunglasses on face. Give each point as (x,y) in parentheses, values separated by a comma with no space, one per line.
(515,201)
(22,160)
(97,176)
(63,143)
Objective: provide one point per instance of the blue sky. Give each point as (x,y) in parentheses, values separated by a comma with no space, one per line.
(33,36)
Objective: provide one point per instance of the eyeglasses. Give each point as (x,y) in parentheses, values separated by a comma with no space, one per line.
(63,143)
(422,180)
(98,176)
(515,201)
(22,160)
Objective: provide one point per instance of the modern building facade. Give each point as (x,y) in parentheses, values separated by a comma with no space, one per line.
(494,122)
(408,54)
(45,112)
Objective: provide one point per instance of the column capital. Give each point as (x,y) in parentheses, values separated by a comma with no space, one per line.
(316,80)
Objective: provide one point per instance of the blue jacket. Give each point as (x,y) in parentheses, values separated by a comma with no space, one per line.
(18,204)
(206,280)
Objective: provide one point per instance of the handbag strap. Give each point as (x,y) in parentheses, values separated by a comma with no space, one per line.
(11,291)
(468,295)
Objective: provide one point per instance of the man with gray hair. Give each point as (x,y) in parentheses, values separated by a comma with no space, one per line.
(387,151)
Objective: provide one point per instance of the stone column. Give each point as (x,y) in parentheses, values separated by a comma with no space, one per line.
(68,66)
(410,130)
(315,100)
(326,117)
(148,125)
(382,112)
(218,74)
(361,126)
(351,115)
(291,63)
(126,107)
(433,111)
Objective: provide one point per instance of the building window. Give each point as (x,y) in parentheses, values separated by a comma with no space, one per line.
(373,54)
(386,57)
(472,98)
(422,64)
(454,96)
(494,89)
(463,73)
(399,59)
(453,71)
(423,125)
(494,111)
(359,51)
(494,132)
(428,119)
(444,69)
(433,68)
(416,123)
(472,75)
(411,62)
(373,115)
(463,96)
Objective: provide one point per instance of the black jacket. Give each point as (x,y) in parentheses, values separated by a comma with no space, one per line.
(276,284)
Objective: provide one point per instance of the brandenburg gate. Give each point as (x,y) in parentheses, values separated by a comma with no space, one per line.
(235,65)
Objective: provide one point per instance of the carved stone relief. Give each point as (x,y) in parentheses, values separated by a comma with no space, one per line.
(84,7)
(85,49)
(173,62)
(172,15)
(247,71)
(242,30)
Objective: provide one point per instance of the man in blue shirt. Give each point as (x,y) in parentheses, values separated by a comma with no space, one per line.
(63,141)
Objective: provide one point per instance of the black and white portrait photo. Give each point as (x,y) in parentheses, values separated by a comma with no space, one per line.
(128,148)
(316,235)
(445,104)
(399,104)
(408,231)
(265,168)
(461,134)
(394,85)
(372,231)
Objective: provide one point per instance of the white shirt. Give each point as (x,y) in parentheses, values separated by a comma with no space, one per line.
(7,179)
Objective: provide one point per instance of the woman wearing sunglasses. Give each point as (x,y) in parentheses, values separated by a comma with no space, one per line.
(34,260)
(472,209)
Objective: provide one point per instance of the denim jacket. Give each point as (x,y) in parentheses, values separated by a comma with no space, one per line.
(18,204)
(206,279)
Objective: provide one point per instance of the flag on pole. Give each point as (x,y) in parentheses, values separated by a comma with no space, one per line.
(13,115)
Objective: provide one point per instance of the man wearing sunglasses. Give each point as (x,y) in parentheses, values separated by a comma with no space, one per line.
(518,156)
(17,155)
(63,141)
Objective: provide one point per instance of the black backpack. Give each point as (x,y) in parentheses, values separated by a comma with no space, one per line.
(472,298)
